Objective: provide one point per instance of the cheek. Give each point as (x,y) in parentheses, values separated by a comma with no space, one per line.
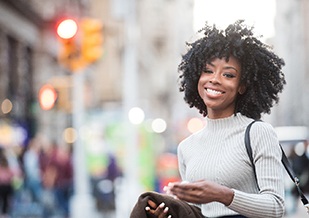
(233,86)
(200,87)
(234,92)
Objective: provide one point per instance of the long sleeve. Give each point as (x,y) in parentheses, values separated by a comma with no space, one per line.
(217,153)
(267,160)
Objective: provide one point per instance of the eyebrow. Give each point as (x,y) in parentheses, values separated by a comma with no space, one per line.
(230,67)
(226,68)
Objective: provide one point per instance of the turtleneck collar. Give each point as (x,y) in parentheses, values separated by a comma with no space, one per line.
(227,122)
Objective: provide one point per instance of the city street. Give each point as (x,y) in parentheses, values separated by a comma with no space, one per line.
(101,101)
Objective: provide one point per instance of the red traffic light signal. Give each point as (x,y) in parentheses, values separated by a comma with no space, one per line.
(67,29)
(69,53)
(47,97)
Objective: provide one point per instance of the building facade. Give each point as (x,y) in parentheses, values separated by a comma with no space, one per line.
(292,43)
(29,50)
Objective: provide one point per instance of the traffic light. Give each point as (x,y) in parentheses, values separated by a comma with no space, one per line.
(69,54)
(67,29)
(91,39)
(81,42)
(47,97)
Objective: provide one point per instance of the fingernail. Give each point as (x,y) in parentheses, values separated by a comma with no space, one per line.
(170,184)
(147,208)
(162,205)
(166,209)
(170,216)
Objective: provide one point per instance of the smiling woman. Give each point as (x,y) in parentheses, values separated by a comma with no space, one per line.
(232,78)
(222,12)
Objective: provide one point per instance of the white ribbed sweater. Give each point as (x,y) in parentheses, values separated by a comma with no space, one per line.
(218,153)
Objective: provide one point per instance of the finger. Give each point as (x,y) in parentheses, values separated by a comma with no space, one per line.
(192,196)
(164,213)
(161,211)
(184,188)
(167,190)
(152,204)
(148,209)
(151,207)
(184,193)
(172,184)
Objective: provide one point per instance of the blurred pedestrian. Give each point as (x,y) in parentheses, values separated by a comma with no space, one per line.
(48,177)
(32,169)
(64,178)
(6,186)
(104,187)
(57,178)
(231,77)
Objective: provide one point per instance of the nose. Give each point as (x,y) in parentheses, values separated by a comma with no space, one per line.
(215,78)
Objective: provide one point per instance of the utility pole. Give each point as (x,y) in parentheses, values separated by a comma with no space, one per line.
(130,188)
(79,49)
(82,203)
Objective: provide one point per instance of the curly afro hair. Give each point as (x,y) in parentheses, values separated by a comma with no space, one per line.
(261,72)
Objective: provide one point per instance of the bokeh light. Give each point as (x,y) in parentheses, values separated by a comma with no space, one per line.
(136,115)
(47,97)
(69,135)
(158,125)
(194,125)
(67,29)
(300,149)
(6,106)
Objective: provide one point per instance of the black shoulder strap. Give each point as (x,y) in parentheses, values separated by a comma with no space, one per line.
(249,149)
(284,160)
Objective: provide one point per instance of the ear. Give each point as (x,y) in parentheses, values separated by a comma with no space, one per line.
(242,89)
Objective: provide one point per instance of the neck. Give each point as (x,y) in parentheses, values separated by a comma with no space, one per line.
(218,115)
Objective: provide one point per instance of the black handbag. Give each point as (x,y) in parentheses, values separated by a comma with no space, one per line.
(284,161)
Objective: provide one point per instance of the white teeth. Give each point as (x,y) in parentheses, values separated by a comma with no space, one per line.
(213,91)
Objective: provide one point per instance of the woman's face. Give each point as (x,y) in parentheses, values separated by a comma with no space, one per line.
(219,86)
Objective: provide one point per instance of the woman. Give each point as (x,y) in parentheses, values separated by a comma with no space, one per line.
(231,77)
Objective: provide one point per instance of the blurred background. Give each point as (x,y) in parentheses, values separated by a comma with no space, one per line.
(90,112)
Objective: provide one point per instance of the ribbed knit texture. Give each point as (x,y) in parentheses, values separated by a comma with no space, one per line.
(218,153)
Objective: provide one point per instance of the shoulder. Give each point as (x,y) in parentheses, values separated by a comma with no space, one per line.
(262,128)
(264,138)
(190,143)
(193,137)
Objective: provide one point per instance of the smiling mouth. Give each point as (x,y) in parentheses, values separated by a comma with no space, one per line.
(214,92)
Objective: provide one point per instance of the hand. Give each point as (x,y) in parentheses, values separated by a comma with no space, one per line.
(200,192)
(160,211)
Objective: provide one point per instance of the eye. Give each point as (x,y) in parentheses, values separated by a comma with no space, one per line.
(229,75)
(206,70)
